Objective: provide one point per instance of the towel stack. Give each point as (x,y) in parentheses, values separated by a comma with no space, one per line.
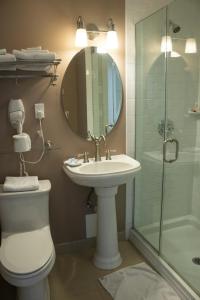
(6,58)
(36,54)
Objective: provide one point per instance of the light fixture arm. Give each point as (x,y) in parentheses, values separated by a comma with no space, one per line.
(111,25)
(80,23)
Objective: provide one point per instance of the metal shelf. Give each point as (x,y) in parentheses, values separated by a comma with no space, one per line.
(194,113)
(29,74)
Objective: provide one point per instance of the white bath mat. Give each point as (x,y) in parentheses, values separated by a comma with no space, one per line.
(139,282)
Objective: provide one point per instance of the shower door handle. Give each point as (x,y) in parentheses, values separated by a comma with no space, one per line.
(172,141)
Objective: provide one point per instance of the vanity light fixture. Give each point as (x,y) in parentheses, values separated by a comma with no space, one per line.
(190,46)
(82,36)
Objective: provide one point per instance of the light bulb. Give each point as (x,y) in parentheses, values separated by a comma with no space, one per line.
(166,44)
(112,40)
(81,37)
(191,46)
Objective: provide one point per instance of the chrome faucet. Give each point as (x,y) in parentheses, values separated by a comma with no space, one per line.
(97,141)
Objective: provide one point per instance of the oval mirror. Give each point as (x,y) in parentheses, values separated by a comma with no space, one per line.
(92,93)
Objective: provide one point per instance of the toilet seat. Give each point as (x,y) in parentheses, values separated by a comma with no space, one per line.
(24,280)
(27,252)
(10,267)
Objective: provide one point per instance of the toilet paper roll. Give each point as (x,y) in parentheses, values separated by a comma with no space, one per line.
(22,142)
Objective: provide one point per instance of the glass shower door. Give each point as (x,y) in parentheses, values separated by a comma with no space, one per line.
(180,230)
(150,122)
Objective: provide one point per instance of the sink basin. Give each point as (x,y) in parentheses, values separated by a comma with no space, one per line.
(106,173)
(105,176)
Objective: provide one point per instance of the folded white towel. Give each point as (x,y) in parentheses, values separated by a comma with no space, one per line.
(3,51)
(7,58)
(34,55)
(38,67)
(34,51)
(34,48)
(21,184)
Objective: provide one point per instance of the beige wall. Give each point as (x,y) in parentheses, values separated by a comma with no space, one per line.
(51,24)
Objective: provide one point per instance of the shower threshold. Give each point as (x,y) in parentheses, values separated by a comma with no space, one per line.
(180,286)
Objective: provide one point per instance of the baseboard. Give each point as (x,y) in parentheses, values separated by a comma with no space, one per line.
(76,246)
(175,281)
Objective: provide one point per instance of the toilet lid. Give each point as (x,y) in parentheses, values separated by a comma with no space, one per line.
(26,252)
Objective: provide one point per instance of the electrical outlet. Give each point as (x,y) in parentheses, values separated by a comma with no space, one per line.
(91,225)
(39,111)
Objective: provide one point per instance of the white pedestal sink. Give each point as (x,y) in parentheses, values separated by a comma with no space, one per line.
(105,176)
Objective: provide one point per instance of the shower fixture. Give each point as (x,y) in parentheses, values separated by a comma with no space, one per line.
(166,128)
(175,28)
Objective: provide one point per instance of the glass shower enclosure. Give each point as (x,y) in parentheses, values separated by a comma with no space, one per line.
(167,190)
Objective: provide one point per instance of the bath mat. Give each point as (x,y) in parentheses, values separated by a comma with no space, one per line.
(138,282)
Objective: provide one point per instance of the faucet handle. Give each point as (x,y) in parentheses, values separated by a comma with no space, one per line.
(108,153)
(107,126)
(85,156)
(91,137)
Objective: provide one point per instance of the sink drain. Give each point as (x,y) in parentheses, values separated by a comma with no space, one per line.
(196,260)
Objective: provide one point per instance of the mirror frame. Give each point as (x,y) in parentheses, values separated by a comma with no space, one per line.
(122,96)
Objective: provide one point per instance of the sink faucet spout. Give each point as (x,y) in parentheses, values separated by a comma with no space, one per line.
(97,141)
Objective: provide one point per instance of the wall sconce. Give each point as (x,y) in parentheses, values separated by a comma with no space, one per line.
(82,36)
(166,44)
(191,46)
(111,38)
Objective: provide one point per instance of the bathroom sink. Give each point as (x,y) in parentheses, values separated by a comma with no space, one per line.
(105,176)
(106,173)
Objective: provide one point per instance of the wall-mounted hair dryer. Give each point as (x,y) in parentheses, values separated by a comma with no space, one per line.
(21,140)
(16,114)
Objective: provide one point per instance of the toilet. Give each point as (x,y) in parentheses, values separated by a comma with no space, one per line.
(27,253)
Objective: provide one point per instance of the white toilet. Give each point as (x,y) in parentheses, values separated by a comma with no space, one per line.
(27,252)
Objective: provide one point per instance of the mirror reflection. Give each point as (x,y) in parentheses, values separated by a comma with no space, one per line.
(92,93)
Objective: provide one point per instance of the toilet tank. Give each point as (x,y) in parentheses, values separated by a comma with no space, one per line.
(25,211)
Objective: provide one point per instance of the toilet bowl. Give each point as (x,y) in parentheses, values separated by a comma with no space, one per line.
(27,253)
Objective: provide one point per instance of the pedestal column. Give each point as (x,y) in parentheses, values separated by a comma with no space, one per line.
(107,252)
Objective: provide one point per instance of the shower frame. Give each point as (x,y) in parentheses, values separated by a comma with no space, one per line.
(154,257)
